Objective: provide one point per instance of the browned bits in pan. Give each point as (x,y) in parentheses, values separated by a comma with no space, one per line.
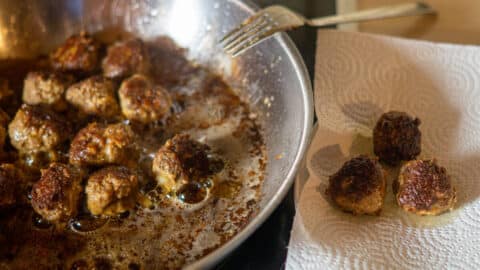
(143,101)
(424,188)
(359,186)
(92,150)
(125,58)
(396,137)
(3,136)
(99,144)
(46,88)
(10,185)
(111,191)
(95,96)
(5,90)
(92,263)
(4,119)
(56,195)
(78,54)
(37,129)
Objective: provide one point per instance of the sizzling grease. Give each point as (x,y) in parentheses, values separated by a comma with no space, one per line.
(167,233)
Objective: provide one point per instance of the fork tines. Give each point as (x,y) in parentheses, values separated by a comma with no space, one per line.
(250,32)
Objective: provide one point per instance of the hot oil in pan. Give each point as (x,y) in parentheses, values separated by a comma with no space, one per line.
(171,233)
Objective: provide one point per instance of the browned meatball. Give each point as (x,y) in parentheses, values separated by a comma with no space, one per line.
(142,101)
(111,191)
(45,88)
(99,144)
(424,188)
(10,185)
(125,58)
(396,137)
(56,195)
(95,95)
(37,129)
(182,160)
(359,186)
(79,53)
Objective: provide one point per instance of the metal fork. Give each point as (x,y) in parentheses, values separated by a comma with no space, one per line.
(274,19)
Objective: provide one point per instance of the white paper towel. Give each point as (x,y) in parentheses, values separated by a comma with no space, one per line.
(358,77)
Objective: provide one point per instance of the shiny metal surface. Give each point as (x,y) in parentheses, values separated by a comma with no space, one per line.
(273,19)
(272,75)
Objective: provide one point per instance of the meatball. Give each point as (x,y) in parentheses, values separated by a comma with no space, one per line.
(182,160)
(37,129)
(111,191)
(99,144)
(56,195)
(95,95)
(359,186)
(142,101)
(424,188)
(10,185)
(396,137)
(125,58)
(45,88)
(79,53)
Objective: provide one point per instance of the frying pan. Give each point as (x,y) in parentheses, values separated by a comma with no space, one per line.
(272,76)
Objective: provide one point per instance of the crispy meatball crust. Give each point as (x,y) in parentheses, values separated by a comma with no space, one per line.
(37,129)
(181,160)
(424,188)
(125,58)
(396,137)
(142,101)
(95,95)
(79,53)
(10,185)
(99,144)
(56,195)
(111,191)
(359,186)
(45,88)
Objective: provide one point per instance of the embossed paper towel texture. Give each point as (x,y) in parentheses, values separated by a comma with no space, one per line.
(358,77)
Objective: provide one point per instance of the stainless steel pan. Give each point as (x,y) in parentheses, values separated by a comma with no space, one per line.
(272,75)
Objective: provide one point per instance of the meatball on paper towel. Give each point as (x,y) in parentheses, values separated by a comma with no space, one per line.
(359,77)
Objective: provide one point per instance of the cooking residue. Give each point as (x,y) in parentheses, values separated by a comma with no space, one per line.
(179,229)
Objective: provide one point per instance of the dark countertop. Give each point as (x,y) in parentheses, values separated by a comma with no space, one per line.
(267,247)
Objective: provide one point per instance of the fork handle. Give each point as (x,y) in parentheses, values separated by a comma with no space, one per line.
(409,9)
